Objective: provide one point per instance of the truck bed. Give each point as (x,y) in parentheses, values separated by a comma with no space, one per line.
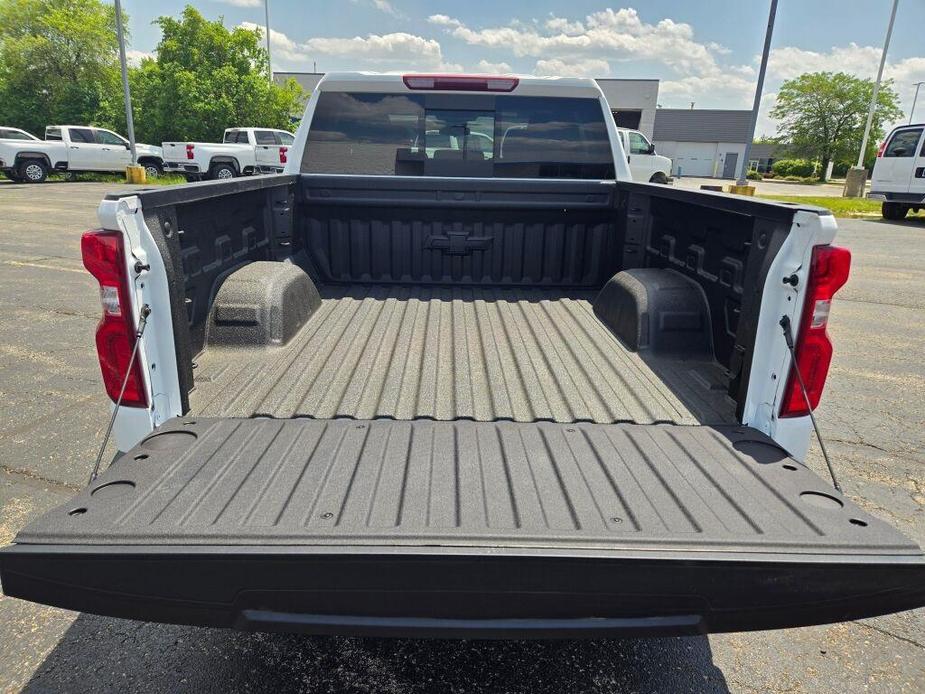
(461,353)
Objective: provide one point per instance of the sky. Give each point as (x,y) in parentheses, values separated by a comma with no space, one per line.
(703,51)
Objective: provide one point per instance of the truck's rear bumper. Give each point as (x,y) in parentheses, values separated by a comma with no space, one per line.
(446,593)
(178,167)
(910,198)
(461,528)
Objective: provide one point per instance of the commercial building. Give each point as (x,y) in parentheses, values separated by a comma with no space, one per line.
(702,142)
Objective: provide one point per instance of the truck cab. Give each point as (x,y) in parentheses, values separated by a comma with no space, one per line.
(645,164)
(898,178)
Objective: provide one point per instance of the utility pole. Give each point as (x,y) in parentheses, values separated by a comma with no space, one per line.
(856,179)
(873,96)
(266,7)
(753,121)
(129,123)
(914,100)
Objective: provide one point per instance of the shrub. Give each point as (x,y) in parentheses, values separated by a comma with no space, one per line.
(794,167)
(840,170)
(754,176)
(800,179)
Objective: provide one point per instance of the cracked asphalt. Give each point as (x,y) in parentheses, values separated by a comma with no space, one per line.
(53,412)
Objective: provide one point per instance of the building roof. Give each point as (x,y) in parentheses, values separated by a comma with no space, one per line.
(701,125)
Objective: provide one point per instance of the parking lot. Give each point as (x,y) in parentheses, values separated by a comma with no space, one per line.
(53,413)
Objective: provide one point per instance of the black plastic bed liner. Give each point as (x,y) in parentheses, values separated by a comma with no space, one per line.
(463,529)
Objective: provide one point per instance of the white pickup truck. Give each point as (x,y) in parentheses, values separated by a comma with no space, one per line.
(7,133)
(898,179)
(242,152)
(455,374)
(74,149)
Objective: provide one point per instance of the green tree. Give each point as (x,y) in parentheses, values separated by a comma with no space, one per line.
(58,62)
(205,78)
(822,115)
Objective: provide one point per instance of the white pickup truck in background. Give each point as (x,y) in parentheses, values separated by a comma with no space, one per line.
(73,149)
(242,152)
(16,134)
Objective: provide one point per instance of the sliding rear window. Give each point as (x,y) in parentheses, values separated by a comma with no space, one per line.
(458,135)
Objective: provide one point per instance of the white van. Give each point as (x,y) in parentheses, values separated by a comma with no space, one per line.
(899,172)
(645,164)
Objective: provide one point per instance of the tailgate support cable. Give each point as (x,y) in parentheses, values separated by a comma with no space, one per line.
(142,322)
(788,336)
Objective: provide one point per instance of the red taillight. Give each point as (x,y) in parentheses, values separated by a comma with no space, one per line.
(282,154)
(467,83)
(828,272)
(880,149)
(104,256)
(189,151)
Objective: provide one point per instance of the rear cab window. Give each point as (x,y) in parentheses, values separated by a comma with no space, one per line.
(81,135)
(284,137)
(265,137)
(475,135)
(53,134)
(904,143)
(236,137)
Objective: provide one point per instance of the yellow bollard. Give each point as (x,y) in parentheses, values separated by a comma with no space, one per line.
(741,190)
(135,174)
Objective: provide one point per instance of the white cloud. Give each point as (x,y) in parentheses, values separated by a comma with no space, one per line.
(134,57)
(393,51)
(493,68)
(605,35)
(586,67)
(381,5)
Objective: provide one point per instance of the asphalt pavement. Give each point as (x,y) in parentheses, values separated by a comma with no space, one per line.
(53,412)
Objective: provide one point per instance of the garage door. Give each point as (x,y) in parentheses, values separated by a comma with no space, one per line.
(695,158)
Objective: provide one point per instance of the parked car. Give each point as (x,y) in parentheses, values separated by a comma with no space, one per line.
(898,178)
(242,152)
(645,163)
(73,149)
(440,392)
(15,134)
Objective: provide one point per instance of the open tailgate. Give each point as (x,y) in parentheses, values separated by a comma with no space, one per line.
(476,529)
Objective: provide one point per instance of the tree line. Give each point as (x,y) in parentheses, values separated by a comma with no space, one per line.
(821,117)
(59,63)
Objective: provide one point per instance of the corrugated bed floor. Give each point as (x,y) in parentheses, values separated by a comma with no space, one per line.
(482,354)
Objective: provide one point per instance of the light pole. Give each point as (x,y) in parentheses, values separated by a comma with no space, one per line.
(129,123)
(753,121)
(915,99)
(266,8)
(856,179)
